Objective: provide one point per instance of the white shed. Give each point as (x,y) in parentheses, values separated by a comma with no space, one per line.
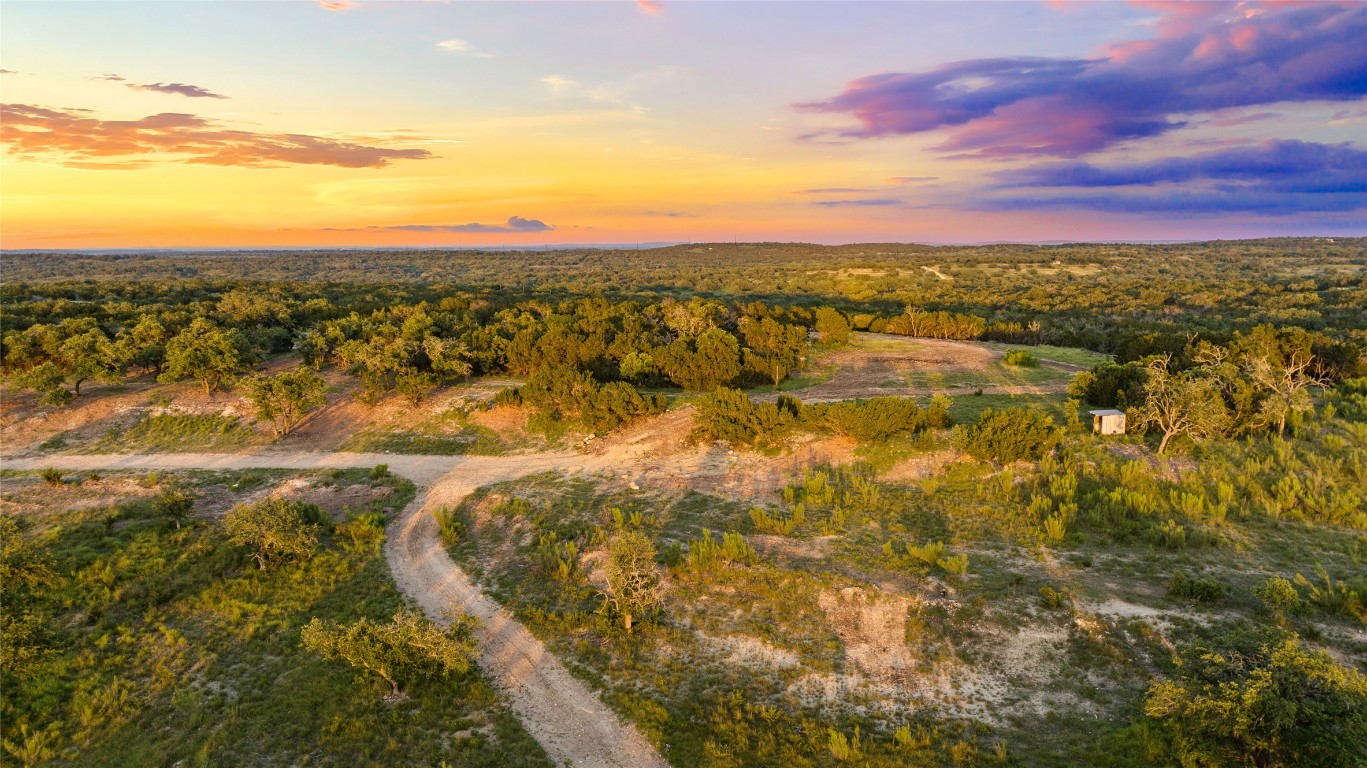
(1108,421)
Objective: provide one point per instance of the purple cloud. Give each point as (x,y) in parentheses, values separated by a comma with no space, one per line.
(1272,166)
(514,224)
(178,89)
(1210,57)
(1185,203)
(912,179)
(1275,178)
(832,191)
(843,203)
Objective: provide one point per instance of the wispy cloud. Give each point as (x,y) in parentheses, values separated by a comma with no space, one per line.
(559,83)
(855,203)
(1206,57)
(334,5)
(1229,121)
(8,72)
(650,7)
(671,214)
(911,179)
(613,93)
(179,89)
(514,225)
(832,191)
(176,89)
(79,140)
(462,48)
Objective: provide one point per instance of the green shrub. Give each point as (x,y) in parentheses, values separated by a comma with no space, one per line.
(730,415)
(842,747)
(51,476)
(1109,385)
(379,472)
(364,530)
(1054,599)
(705,553)
(175,503)
(1020,358)
(1010,434)
(1335,596)
(1279,704)
(275,530)
(450,524)
(777,523)
(409,648)
(509,396)
(881,417)
(1196,589)
(1278,595)
(565,393)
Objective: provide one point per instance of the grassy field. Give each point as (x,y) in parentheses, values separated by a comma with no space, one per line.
(995,375)
(179,433)
(1071,355)
(965,409)
(167,647)
(448,433)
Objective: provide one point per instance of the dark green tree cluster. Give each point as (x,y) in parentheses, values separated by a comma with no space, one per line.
(1129,299)
(730,415)
(1259,381)
(565,393)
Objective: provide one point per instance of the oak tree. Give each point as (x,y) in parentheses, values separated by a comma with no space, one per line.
(408,648)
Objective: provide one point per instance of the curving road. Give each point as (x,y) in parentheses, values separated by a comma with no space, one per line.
(573,725)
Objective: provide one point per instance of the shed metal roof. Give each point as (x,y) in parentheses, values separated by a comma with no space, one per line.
(1107,412)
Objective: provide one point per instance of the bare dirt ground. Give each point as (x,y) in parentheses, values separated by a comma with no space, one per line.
(920,467)
(872,627)
(661,453)
(884,365)
(31,496)
(25,424)
(936,271)
(344,416)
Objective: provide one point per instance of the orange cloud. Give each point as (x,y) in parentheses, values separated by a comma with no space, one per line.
(79,139)
(651,7)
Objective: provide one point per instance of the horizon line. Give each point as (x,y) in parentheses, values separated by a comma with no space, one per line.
(653,245)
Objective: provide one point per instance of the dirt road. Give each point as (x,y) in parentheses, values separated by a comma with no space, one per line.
(573,725)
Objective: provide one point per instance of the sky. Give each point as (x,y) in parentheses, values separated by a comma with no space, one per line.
(355,123)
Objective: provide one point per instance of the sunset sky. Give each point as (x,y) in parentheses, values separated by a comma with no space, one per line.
(221,124)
